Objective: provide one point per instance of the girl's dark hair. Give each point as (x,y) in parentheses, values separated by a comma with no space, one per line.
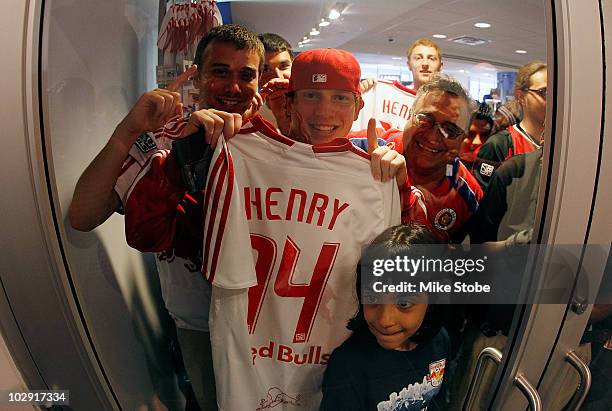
(398,241)
(484,112)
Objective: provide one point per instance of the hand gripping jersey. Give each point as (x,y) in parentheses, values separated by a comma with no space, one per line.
(412,199)
(289,221)
(389,102)
(449,206)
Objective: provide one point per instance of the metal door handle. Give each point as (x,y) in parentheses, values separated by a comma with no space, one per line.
(520,381)
(585,380)
(535,402)
(487,353)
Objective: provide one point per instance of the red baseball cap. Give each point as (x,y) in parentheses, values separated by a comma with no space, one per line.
(325,69)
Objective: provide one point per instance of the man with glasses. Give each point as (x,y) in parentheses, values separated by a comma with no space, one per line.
(525,137)
(430,142)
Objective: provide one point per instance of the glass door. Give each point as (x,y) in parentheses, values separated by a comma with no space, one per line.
(101,298)
(571,218)
(586,326)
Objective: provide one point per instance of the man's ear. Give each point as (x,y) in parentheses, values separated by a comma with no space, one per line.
(358,107)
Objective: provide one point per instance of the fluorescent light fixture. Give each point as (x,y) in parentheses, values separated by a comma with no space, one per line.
(314,32)
(396,58)
(333,14)
(439,36)
(482,25)
(520,51)
(324,23)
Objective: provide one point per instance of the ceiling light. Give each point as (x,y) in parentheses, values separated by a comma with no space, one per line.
(333,14)
(482,25)
(324,23)
(314,32)
(306,40)
(300,45)
(439,36)
(396,58)
(520,51)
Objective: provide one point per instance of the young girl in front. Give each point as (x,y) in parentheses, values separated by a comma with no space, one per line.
(396,356)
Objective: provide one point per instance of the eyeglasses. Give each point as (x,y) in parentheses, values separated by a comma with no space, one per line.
(426,121)
(540,92)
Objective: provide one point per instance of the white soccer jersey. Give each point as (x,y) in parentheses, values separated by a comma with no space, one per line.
(289,220)
(389,102)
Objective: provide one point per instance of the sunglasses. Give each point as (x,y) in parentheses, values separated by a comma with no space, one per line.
(426,121)
(540,92)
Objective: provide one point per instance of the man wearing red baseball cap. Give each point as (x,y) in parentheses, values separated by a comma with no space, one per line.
(324,97)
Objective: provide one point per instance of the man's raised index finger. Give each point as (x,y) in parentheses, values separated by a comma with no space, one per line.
(372,136)
(183,77)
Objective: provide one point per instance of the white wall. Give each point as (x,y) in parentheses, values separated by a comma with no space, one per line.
(99,57)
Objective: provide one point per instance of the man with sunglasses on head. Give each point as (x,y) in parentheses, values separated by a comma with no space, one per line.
(524,137)
(430,142)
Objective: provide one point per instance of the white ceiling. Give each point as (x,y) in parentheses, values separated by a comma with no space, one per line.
(385,28)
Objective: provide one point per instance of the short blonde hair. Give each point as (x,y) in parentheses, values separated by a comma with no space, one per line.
(424,42)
